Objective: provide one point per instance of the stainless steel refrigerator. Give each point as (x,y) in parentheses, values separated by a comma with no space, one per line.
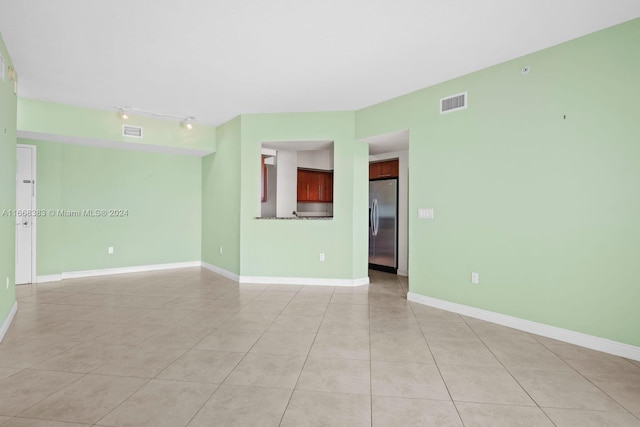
(383,224)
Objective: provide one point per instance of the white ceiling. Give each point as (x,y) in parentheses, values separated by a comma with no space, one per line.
(215,59)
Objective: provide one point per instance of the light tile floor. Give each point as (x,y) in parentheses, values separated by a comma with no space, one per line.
(189,347)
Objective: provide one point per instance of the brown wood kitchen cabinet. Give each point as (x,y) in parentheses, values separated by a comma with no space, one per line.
(385,169)
(315,185)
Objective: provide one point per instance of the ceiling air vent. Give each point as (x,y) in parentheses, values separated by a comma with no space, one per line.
(453,103)
(132,131)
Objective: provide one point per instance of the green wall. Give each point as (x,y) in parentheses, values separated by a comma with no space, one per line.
(160,192)
(221,200)
(53,120)
(292,248)
(7,188)
(534,186)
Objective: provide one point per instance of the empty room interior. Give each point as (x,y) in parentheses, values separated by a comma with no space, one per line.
(241,213)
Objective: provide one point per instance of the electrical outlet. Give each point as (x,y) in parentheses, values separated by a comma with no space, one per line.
(7,282)
(475,278)
(110,250)
(322,256)
(220,249)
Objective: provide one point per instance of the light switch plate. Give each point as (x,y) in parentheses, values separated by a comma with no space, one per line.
(425,213)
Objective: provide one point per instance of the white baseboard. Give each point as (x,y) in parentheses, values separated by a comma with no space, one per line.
(403,273)
(211,267)
(270,280)
(578,338)
(119,270)
(308,281)
(221,271)
(7,322)
(49,278)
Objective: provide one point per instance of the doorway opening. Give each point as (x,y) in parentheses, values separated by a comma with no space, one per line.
(26,214)
(389,202)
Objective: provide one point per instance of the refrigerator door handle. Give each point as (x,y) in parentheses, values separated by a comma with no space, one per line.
(375,217)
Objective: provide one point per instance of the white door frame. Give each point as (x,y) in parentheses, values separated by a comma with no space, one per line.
(34,193)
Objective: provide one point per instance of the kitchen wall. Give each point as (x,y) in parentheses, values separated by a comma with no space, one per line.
(316,159)
(161,194)
(534,186)
(8,107)
(286,183)
(324,208)
(268,208)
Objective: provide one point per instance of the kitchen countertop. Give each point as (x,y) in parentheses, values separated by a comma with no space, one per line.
(303,218)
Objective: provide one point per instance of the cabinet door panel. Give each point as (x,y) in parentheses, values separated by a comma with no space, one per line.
(386,169)
(315,186)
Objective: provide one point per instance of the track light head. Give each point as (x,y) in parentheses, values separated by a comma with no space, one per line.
(187,121)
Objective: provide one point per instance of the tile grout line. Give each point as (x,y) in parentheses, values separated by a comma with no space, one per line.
(370,360)
(437,366)
(307,356)
(587,379)
(507,370)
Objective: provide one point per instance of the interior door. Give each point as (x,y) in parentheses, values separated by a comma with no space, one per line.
(25,203)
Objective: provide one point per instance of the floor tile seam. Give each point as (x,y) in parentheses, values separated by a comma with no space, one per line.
(93,372)
(194,345)
(223,380)
(370,365)
(518,382)
(203,404)
(81,376)
(258,339)
(371,362)
(438,368)
(178,380)
(506,369)
(123,400)
(35,368)
(577,372)
(75,345)
(324,313)
(586,377)
(604,411)
(40,419)
(15,373)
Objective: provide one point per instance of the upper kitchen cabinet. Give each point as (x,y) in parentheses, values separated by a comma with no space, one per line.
(315,186)
(384,169)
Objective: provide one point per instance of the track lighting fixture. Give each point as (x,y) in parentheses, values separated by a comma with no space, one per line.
(186,121)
